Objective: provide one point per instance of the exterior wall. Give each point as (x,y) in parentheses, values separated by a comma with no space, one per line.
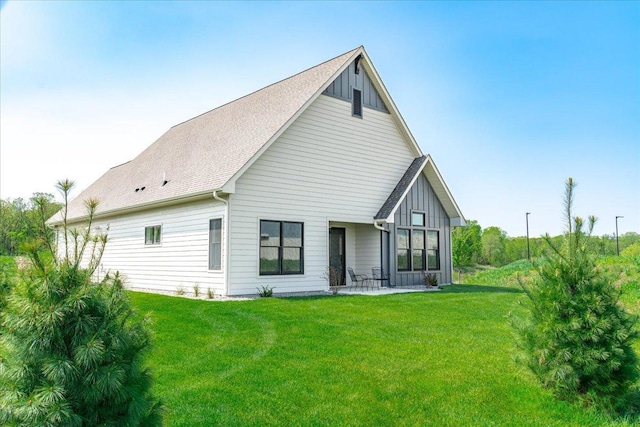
(421,197)
(327,166)
(180,260)
(348,79)
(367,248)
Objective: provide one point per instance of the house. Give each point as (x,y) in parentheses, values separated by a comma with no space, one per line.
(313,171)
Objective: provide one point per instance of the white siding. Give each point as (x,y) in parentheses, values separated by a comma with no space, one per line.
(182,258)
(327,166)
(367,248)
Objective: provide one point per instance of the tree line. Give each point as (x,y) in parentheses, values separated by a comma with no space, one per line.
(492,246)
(20,221)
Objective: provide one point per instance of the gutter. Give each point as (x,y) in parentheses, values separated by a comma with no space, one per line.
(225,272)
(377,224)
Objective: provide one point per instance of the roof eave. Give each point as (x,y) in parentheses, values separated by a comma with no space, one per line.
(136,208)
(440,187)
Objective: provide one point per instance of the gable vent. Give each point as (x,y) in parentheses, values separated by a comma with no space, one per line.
(357,102)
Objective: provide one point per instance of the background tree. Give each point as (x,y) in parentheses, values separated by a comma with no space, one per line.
(20,221)
(493,246)
(466,244)
(71,351)
(575,336)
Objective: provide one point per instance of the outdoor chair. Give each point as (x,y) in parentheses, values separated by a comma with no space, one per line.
(358,279)
(379,278)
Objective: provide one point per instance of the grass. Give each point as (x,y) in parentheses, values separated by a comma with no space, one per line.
(441,359)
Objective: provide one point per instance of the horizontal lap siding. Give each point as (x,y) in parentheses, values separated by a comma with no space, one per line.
(182,258)
(327,166)
(367,248)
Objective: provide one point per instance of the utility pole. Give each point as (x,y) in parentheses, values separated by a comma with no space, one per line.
(617,242)
(528,251)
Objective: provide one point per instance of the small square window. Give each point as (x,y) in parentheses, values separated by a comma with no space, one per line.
(417,219)
(152,235)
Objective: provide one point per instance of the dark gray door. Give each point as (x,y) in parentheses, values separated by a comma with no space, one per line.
(337,252)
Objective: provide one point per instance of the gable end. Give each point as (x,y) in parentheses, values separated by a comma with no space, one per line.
(356,77)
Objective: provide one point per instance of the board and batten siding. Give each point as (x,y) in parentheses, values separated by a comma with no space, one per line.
(181,260)
(422,198)
(326,167)
(342,87)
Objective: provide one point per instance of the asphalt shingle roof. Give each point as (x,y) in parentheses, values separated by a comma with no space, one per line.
(402,186)
(202,154)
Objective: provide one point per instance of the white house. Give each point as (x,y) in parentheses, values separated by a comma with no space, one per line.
(271,189)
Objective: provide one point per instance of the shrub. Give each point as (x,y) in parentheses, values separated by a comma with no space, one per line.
(71,351)
(430,279)
(632,250)
(210,293)
(265,291)
(196,290)
(575,337)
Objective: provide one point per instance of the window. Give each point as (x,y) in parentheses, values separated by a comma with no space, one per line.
(215,244)
(152,235)
(281,248)
(403,250)
(418,248)
(357,102)
(417,219)
(433,252)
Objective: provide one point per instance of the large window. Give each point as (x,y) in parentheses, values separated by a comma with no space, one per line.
(433,251)
(281,247)
(152,235)
(418,248)
(215,244)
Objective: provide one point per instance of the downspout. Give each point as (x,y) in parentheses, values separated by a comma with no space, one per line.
(378,226)
(225,272)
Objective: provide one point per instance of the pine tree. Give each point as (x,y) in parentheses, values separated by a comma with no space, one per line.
(71,350)
(576,337)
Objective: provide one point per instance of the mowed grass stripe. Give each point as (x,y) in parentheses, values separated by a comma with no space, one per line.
(441,359)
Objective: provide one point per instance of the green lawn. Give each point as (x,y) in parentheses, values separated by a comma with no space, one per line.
(440,358)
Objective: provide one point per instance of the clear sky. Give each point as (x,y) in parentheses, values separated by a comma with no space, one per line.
(510,99)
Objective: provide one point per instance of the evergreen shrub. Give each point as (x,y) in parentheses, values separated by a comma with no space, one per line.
(576,337)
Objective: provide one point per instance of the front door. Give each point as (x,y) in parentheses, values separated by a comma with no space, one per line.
(337,253)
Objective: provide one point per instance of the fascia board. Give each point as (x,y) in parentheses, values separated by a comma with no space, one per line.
(386,98)
(454,210)
(391,218)
(137,208)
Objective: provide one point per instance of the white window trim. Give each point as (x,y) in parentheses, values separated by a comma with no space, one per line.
(223,238)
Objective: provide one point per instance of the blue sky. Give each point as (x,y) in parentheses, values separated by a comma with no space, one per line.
(510,99)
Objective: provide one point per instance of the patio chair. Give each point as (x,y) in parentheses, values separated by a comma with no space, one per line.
(379,278)
(358,279)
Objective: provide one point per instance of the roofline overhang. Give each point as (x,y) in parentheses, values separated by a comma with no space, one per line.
(140,207)
(430,170)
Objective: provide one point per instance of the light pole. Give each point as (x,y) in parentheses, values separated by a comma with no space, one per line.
(528,251)
(617,242)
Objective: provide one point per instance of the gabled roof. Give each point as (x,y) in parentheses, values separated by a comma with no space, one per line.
(206,152)
(423,164)
(211,151)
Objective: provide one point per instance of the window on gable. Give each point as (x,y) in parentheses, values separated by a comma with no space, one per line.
(152,235)
(215,244)
(357,102)
(281,247)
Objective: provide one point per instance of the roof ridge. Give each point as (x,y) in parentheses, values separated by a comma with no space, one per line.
(266,87)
